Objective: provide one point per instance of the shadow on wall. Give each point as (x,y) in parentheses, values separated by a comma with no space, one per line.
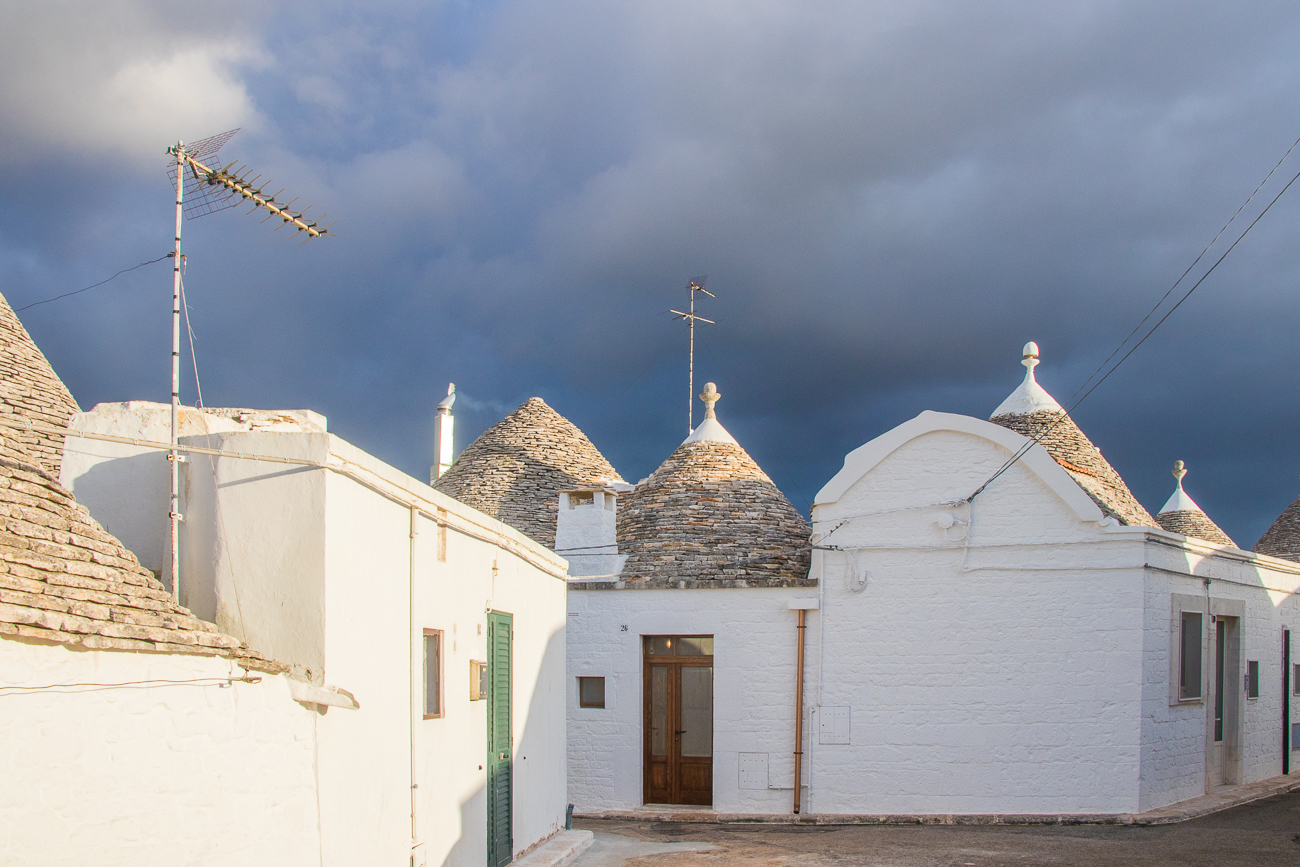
(107,487)
(540,778)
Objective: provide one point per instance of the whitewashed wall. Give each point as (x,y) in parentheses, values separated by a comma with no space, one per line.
(754,638)
(1175,733)
(314,567)
(993,666)
(158,776)
(1013,656)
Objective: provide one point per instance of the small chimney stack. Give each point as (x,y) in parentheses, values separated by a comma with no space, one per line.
(442,432)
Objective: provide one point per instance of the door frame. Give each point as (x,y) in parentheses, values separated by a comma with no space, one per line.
(1226,666)
(674,664)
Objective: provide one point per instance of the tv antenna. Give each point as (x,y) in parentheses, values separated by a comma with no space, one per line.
(202,190)
(696,285)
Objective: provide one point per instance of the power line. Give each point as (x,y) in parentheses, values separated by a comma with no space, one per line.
(92,286)
(1074,403)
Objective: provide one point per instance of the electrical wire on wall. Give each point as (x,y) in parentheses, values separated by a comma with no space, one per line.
(1089,386)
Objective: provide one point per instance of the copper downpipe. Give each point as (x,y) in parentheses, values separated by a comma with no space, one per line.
(798,714)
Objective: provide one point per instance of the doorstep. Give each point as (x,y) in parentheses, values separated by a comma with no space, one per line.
(559,851)
(1223,799)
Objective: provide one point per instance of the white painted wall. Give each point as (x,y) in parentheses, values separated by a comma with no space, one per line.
(314,567)
(990,667)
(1012,656)
(157,776)
(754,683)
(1175,733)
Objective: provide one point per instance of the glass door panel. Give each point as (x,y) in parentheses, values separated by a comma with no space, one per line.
(697,711)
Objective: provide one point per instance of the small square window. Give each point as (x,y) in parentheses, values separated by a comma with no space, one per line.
(591,692)
(432,673)
(1252,679)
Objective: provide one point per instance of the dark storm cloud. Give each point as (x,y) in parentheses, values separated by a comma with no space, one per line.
(889,198)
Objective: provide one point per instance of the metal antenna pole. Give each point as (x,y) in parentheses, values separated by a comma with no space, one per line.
(210,190)
(697,285)
(173,457)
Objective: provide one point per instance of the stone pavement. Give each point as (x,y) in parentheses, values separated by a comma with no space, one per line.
(1261,833)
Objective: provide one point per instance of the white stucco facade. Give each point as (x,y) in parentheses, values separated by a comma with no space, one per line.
(1012,654)
(152,760)
(754,648)
(321,556)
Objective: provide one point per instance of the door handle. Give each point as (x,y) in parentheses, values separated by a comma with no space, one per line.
(681,732)
(502,757)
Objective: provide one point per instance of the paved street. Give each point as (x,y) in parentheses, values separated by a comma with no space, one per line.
(1260,834)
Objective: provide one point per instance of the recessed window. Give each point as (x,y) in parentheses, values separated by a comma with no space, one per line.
(1295,680)
(591,692)
(1252,678)
(1189,660)
(432,673)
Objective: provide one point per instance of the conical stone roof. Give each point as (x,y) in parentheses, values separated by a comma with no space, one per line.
(1031,412)
(516,469)
(1181,515)
(64,579)
(1283,538)
(710,517)
(30,388)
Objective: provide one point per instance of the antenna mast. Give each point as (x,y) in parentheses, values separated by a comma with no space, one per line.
(696,285)
(209,190)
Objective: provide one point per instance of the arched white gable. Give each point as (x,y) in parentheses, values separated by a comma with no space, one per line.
(864,459)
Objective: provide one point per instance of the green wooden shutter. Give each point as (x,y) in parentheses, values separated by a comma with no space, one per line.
(500,747)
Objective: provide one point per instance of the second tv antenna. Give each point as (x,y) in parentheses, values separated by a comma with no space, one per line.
(203,190)
(697,285)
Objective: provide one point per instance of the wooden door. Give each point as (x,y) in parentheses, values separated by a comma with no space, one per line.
(678,690)
(500,779)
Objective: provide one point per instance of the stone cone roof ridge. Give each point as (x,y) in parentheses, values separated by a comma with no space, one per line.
(1180,514)
(516,469)
(30,388)
(1055,431)
(66,580)
(709,513)
(1283,538)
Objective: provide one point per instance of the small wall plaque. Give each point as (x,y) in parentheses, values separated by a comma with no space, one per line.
(478,680)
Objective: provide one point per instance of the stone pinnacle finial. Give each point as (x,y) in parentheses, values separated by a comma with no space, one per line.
(710,397)
(1031,356)
(1180,470)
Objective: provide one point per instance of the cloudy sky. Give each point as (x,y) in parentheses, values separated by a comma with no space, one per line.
(888,198)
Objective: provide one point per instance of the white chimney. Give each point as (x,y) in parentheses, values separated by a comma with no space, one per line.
(442,430)
(586,529)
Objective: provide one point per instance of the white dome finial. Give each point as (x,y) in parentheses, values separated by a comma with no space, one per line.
(1031,356)
(710,397)
(1180,501)
(1030,396)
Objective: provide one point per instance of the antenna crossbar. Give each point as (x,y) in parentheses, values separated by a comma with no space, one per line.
(245,189)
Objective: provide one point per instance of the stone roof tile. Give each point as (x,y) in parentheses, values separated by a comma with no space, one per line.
(516,469)
(1283,538)
(30,388)
(64,579)
(710,514)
